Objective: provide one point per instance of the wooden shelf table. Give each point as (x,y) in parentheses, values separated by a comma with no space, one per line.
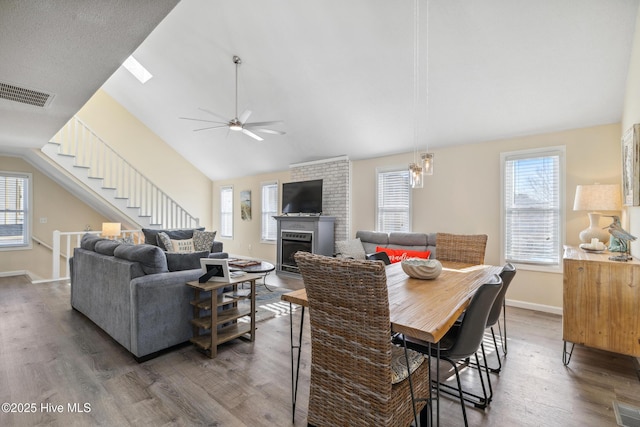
(216,328)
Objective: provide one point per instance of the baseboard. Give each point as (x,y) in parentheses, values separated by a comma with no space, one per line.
(535,307)
(14,273)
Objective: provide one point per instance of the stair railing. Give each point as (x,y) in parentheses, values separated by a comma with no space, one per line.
(91,152)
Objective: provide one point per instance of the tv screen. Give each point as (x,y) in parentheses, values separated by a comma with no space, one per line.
(302,197)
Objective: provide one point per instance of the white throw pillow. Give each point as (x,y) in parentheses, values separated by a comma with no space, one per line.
(351,249)
(182,246)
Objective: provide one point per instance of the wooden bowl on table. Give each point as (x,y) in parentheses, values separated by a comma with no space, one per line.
(420,268)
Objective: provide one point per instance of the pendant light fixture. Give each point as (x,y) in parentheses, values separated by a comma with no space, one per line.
(422,164)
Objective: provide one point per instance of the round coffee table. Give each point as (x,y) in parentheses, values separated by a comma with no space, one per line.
(261,267)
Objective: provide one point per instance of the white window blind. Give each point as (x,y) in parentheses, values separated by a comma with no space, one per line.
(14,210)
(269,209)
(393,211)
(532,216)
(226,211)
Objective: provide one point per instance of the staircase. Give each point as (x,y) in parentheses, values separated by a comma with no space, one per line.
(78,150)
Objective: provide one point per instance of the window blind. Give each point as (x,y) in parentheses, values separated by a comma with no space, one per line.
(532,202)
(226,211)
(269,209)
(393,201)
(14,210)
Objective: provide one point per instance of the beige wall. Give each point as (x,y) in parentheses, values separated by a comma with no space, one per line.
(62,210)
(631,115)
(463,195)
(150,155)
(246,234)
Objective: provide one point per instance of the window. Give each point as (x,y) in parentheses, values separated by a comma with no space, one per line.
(226,211)
(393,200)
(14,210)
(532,214)
(269,209)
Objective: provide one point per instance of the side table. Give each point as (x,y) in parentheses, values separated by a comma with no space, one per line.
(208,330)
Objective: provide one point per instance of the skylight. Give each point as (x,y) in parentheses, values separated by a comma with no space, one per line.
(137,69)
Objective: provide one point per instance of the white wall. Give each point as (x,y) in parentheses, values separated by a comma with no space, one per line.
(463,195)
(631,116)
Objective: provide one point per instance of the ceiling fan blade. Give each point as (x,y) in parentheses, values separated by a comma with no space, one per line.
(260,124)
(271,131)
(244,116)
(201,120)
(214,115)
(251,134)
(210,127)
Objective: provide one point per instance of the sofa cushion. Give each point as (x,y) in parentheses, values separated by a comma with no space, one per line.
(397,255)
(107,247)
(404,239)
(185,261)
(203,240)
(151,235)
(89,241)
(151,258)
(371,239)
(351,248)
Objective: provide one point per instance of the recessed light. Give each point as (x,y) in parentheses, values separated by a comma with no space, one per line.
(137,69)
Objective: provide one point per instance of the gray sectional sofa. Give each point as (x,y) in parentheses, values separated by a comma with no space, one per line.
(136,293)
(397,240)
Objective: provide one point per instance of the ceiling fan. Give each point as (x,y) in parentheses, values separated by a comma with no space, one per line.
(239,122)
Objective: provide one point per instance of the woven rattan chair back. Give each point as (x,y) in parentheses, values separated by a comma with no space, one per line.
(351,346)
(467,248)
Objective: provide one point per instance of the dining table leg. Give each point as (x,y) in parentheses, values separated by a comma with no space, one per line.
(295,371)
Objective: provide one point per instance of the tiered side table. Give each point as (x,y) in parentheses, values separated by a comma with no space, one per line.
(208,330)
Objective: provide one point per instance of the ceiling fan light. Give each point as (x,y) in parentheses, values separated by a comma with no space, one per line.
(235,126)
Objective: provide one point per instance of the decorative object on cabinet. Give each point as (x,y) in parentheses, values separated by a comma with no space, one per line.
(631,167)
(595,198)
(620,239)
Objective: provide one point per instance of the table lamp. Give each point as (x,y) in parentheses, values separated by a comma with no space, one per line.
(111,229)
(595,198)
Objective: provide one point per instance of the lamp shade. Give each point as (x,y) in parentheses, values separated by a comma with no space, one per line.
(597,197)
(111,229)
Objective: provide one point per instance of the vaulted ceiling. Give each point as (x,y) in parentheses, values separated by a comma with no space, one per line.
(346,78)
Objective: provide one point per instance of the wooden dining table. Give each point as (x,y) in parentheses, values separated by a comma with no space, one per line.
(422,309)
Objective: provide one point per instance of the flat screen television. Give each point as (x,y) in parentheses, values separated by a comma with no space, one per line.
(302,197)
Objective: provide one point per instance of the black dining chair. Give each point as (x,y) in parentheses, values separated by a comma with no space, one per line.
(499,306)
(379,256)
(463,340)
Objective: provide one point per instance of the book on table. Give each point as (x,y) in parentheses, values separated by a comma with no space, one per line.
(242,263)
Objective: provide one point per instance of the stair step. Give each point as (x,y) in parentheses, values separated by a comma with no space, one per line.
(94,177)
(66,155)
(121,198)
(109,188)
(82,167)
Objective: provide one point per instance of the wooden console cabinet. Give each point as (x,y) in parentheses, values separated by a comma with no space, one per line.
(601,302)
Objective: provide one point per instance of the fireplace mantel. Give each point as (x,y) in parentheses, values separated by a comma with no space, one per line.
(313,233)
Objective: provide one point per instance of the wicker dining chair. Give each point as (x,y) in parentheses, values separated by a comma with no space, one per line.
(353,362)
(467,248)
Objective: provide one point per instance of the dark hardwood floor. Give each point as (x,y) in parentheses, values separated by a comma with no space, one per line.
(52,355)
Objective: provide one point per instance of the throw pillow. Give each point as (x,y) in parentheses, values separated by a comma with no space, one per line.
(164,241)
(185,261)
(351,249)
(151,235)
(182,246)
(397,255)
(203,240)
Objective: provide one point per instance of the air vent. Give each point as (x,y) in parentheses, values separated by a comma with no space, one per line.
(24,95)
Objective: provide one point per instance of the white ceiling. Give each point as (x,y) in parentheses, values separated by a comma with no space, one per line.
(339,74)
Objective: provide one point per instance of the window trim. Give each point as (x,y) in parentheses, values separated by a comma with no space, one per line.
(388,169)
(524,154)
(222,190)
(262,186)
(28,212)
